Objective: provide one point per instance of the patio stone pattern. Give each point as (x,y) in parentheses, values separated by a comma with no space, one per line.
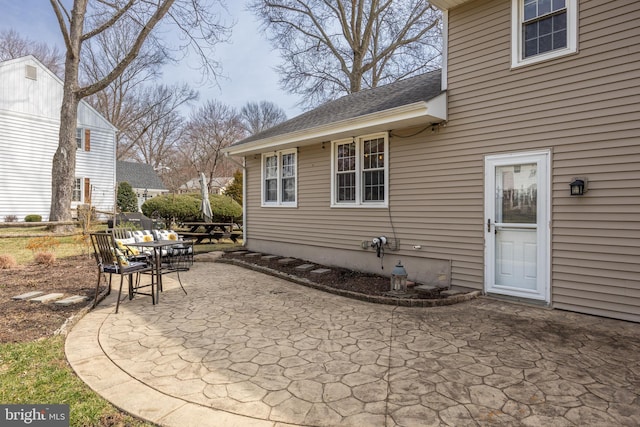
(245,348)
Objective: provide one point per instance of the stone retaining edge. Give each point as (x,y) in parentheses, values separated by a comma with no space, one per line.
(405,302)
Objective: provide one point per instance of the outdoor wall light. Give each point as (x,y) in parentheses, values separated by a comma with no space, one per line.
(399,278)
(578,186)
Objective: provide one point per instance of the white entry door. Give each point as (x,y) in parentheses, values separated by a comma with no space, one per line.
(517,225)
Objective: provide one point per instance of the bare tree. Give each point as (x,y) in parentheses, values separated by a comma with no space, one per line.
(336,47)
(153,138)
(211,128)
(86,20)
(12,45)
(122,101)
(257,117)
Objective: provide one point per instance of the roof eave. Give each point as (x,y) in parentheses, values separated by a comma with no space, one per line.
(433,111)
(447,4)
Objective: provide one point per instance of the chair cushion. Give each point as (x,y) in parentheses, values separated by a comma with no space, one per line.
(118,256)
(125,245)
(142,236)
(165,235)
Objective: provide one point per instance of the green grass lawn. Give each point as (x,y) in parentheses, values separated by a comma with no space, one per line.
(37,372)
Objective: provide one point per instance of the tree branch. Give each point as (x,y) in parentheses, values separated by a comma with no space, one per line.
(131,55)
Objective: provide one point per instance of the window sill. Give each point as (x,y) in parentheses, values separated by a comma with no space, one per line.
(359,206)
(279,205)
(545,57)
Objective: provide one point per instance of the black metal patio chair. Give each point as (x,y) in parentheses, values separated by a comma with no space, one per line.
(111,260)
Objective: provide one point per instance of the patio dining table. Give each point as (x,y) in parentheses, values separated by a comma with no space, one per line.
(157,246)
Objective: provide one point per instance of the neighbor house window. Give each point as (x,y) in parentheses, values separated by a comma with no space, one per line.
(279,178)
(77,190)
(360,171)
(543,29)
(79,134)
(83,139)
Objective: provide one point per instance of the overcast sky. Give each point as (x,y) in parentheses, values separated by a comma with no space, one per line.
(248,61)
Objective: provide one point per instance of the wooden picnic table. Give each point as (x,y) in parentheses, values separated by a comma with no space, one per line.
(199,231)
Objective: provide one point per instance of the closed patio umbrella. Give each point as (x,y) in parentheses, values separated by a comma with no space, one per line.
(205,207)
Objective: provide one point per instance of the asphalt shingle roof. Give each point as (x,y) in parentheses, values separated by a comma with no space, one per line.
(139,175)
(403,92)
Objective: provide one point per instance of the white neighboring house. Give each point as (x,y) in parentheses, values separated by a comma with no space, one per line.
(30,101)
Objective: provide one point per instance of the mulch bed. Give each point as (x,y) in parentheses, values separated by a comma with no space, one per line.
(338,278)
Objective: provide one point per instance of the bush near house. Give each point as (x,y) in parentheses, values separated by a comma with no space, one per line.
(33,218)
(127,200)
(186,207)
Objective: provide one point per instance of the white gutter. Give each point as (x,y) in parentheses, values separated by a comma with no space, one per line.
(406,115)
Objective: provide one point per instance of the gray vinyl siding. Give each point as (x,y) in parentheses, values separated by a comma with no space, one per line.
(585,108)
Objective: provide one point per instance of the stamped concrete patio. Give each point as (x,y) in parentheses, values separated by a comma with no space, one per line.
(243,348)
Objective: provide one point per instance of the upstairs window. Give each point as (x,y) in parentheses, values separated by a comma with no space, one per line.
(279,177)
(543,29)
(79,138)
(83,139)
(360,172)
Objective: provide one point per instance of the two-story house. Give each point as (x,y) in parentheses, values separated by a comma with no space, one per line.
(30,100)
(514,171)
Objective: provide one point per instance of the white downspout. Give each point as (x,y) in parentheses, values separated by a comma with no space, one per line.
(244,201)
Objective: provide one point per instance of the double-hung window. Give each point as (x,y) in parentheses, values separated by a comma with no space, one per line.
(543,29)
(83,139)
(279,178)
(360,172)
(77,190)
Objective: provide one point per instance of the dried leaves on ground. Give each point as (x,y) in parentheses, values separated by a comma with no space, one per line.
(23,321)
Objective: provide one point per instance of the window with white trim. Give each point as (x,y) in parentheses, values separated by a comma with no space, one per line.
(543,29)
(279,178)
(79,138)
(77,190)
(360,171)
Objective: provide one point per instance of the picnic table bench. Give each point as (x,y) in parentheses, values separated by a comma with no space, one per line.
(199,231)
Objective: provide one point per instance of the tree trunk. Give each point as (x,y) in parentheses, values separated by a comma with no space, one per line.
(64,161)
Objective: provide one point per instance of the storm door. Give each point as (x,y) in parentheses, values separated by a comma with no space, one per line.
(517,225)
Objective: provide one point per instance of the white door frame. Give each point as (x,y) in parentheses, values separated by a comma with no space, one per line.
(543,160)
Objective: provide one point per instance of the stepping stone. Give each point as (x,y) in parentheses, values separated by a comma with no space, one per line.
(253,254)
(320,271)
(28,295)
(305,267)
(46,298)
(286,260)
(268,257)
(71,300)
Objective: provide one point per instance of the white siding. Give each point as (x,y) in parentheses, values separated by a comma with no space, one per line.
(29,125)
